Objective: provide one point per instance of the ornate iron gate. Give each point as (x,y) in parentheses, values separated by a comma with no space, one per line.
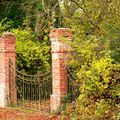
(73,85)
(33,91)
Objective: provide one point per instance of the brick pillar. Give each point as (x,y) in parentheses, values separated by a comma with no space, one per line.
(7,51)
(59,72)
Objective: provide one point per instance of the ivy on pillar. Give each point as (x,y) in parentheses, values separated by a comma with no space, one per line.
(59,50)
(7,52)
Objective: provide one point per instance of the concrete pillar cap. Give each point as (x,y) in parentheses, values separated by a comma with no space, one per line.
(61,32)
(7,34)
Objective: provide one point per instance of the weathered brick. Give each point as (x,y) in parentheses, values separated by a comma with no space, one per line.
(7,51)
(59,50)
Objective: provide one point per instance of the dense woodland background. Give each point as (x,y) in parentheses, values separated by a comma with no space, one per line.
(95,48)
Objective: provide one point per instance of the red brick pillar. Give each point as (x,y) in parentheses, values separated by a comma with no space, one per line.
(59,72)
(7,51)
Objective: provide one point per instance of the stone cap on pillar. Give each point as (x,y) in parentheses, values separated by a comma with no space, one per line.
(7,41)
(57,38)
(7,34)
(61,32)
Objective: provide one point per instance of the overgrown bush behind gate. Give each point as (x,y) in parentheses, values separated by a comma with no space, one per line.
(32,54)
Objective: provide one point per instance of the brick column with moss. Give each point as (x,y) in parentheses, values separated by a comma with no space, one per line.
(59,50)
(7,52)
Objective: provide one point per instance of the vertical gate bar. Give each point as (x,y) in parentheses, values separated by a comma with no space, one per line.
(39,91)
(23,91)
(29,91)
(26,91)
(34,93)
(39,94)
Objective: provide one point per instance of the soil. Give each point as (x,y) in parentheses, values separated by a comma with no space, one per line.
(21,114)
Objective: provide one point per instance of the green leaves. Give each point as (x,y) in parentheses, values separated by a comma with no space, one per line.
(5,25)
(31,55)
(95,55)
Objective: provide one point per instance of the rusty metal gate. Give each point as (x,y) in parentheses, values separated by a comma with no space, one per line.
(33,91)
(73,84)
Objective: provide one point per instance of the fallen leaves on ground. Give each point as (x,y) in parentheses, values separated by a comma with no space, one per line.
(22,114)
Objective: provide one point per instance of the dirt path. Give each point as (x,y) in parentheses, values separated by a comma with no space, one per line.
(20,114)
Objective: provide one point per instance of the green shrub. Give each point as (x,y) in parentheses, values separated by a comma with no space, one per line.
(5,25)
(98,75)
(32,55)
